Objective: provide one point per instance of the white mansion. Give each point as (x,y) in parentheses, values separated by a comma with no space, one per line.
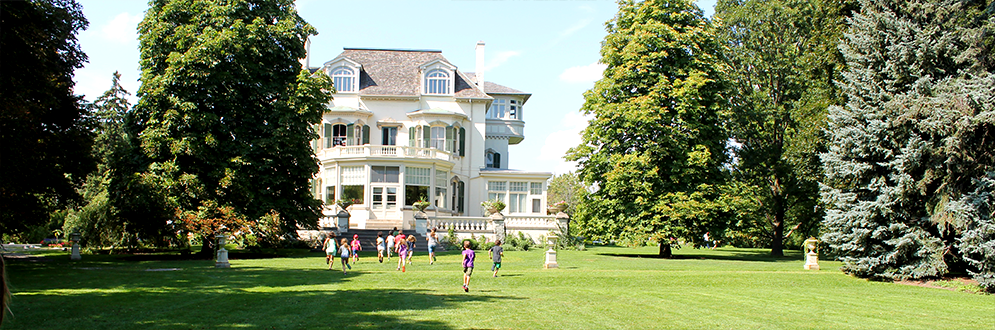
(408,125)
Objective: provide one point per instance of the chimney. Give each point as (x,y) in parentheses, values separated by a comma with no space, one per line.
(480,66)
(306,61)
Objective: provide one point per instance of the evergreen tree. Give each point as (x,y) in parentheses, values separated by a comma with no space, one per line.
(895,160)
(44,128)
(225,112)
(655,148)
(782,62)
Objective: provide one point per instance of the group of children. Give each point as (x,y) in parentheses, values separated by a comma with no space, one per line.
(345,250)
(404,247)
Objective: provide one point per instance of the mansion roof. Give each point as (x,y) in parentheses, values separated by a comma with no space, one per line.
(395,72)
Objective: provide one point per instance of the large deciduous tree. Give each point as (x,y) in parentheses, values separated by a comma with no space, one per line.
(909,167)
(655,148)
(225,111)
(783,60)
(44,129)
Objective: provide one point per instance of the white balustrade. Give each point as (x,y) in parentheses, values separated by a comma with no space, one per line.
(384,151)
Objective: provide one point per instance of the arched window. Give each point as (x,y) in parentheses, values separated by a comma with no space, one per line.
(437,82)
(493,159)
(344,79)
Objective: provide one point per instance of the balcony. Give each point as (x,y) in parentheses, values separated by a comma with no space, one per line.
(514,130)
(376,151)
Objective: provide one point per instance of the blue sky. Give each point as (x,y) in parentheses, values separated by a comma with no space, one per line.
(547,48)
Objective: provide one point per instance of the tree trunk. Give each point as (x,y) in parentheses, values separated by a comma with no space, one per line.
(206,248)
(665,251)
(777,241)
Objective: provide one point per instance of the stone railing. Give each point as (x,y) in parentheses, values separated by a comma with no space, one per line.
(530,222)
(461,224)
(384,151)
(497,226)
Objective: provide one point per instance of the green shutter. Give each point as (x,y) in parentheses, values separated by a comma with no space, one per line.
(366,134)
(462,142)
(411,136)
(462,188)
(450,146)
(350,135)
(328,135)
(427,136)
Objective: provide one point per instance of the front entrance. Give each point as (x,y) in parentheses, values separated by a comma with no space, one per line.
(384,202)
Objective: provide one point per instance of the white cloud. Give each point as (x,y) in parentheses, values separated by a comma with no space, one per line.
(583,74)
(574,28)
(122,29)
(500,58)
(558,142)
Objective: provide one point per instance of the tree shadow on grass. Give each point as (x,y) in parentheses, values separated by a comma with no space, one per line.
(763,256)
(208,298)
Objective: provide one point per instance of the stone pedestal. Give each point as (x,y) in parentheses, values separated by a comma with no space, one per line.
(812,261)
(563,221)
(222,259)
(75,238)
(343,224)
(421,222)
(500,231)
(811,253)
(551,255)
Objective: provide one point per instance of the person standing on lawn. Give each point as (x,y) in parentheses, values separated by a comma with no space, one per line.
(468,257)
(344,251)
(433,241)
(356,247)
(330,249)
(496,252)
(380,246)
(390,244)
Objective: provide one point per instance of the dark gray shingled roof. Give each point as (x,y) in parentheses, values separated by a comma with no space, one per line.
(394,72)
(492,88)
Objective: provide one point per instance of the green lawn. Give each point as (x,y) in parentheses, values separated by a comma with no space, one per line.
(604,287)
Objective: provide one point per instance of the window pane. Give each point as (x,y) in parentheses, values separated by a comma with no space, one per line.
(536,188)
(439,138)
(391,198)
(353,175)
(413,193)
(377,198)
(354,192)
(496,185)
(536,205)
(417,176)
(519,186)
(440,178)
(385,174)
(440,197)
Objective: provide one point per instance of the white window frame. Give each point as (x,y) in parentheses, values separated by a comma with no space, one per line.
(347,77)
(438,81)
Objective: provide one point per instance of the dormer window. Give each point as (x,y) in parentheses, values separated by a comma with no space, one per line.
(344,79)
(437,82)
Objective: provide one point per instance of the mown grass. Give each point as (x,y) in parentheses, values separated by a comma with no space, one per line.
(602,288)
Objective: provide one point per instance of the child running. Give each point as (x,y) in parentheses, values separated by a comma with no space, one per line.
(330,248)
(402,251)
(433,240)
(411,247)
(380,246)
(356,247)
(344,251)
(496,252)
(468,257)
(390,243)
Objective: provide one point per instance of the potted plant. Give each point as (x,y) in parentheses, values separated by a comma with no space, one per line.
(420,205)
(560,206)
(344,203)
(493,206)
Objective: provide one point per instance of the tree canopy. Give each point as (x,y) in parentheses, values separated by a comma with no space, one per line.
(656,147)
(44,129)
(225,112)
(783,60)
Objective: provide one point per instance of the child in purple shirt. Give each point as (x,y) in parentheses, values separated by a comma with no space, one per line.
(468,257)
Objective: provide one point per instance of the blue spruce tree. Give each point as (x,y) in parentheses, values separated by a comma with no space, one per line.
(910,139)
